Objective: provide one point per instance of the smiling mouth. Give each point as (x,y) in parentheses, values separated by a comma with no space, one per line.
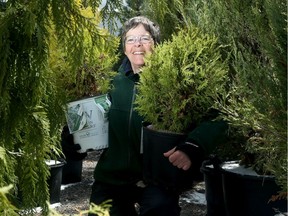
(138,53)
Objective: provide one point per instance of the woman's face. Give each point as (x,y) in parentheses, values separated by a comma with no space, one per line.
(135,49)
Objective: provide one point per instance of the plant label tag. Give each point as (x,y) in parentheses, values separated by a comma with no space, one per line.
(87,120)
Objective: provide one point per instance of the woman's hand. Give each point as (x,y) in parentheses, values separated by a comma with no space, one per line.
(178,158)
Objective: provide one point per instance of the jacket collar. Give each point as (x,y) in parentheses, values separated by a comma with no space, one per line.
(126,69)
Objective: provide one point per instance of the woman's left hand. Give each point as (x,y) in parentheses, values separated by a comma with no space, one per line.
(178,158)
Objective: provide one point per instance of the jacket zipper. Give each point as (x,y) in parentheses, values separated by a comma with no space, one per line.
(130,122)
(131,111)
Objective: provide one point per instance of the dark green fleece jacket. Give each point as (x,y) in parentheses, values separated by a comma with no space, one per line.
(121,162)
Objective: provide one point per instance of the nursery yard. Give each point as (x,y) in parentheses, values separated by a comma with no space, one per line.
(75,197)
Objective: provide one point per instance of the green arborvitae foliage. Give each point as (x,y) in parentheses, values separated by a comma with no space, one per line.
(6,208)
(181,80)
(255,33)
(256,103)
(31,102)
(171,15)
(94,76)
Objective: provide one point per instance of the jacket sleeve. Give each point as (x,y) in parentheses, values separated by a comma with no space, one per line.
(204,139)
(69,148)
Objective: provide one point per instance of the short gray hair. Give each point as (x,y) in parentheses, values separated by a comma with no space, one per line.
(149,26)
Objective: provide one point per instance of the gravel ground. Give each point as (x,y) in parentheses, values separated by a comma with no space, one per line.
(75,197)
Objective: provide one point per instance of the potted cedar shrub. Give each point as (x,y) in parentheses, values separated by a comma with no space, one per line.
(261,115)
(261,173)
(178,87)
(256,105)
(91,79)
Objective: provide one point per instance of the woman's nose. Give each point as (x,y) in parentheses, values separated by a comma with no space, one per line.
(137,43)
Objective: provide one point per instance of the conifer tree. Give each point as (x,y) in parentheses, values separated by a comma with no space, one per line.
(256,103)
(31,106)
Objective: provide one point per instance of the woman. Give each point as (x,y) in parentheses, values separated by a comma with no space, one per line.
(118,173)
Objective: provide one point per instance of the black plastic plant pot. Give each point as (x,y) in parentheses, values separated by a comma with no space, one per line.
(72,171)
(54,181)
(248,193)
(213,187)
(157,169)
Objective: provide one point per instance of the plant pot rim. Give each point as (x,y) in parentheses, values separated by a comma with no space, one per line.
(55,163)
(234,168)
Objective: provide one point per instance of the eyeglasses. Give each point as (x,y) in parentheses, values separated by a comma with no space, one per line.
(144,39)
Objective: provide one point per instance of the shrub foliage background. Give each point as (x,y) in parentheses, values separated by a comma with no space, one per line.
(31,96)
(254,34)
